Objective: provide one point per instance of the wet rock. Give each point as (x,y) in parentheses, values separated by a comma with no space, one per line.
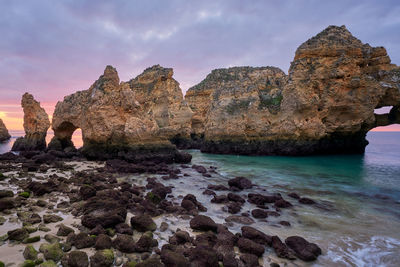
(150,262)
(307,201)
(7,203)
(103,242)
(6,193)
(248,246)
(18,234)
(146,243)
(294,195)
(83,240)
(75,259)
(64,230)
(239,219)
(236,198)
(104,258)
(249,260)
(219,199)
(259,213)
(103,211)
(124,243)
(180,237)
(229,259)
(48,264)
(51,218)
(256,235)
(29,217)
(87,191)
(199,169)
(259,199)
(123,228)
(281,250)
(52,238)
(28,263)
(173,259)
(203,256)
(98,230)
(209,192)
(31,239)
(233,208)
(281,203)
(143,223)
(30,253)
(203,223)
(188,205)
(163,226)
(41,203)
(240,182)
(303,249)
(218,187)
(284,223)
(52,251)
(39,189)
(206,239)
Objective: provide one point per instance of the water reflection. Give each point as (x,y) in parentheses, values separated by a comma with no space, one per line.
(6,146)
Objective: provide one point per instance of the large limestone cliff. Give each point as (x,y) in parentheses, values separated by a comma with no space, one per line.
(325,105)
(123,119)
(4,135)
(36,124)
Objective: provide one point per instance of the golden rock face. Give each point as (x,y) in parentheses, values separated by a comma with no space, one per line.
(36,124)
(324,105)
(146,109)
(334,84)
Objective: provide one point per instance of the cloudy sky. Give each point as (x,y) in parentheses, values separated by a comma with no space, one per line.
(54,48)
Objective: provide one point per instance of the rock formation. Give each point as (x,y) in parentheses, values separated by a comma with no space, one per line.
(325,105)
(36,124)
(134,120)
(4,135)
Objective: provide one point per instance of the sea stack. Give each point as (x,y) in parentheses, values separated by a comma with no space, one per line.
(133,120)
(36,124)
(4,135)
(325,105)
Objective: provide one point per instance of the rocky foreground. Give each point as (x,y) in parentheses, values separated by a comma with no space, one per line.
(57,208)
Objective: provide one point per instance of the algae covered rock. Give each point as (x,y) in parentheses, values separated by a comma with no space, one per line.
(52,251)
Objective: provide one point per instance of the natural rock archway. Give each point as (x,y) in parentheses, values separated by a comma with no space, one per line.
(134,120)
(324,105)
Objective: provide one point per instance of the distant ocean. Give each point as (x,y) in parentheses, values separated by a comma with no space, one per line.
(358,220)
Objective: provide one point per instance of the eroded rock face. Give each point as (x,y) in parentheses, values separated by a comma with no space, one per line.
(36,124)
(4,135)
(325,105)
(127,118)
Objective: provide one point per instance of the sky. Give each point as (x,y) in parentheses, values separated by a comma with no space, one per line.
(54,48)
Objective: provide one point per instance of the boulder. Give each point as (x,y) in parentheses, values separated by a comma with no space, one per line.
(104,258)
(143,223)
(303,249)
(203,223)
(76,259)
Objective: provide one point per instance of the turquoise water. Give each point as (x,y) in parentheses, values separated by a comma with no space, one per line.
(357,219)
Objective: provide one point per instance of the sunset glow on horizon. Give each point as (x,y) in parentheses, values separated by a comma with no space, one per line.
(54,48)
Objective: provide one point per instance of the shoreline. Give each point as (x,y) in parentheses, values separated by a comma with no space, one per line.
(179,218)
(184,180)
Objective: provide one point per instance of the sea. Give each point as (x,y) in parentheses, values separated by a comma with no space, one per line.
(357,219)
